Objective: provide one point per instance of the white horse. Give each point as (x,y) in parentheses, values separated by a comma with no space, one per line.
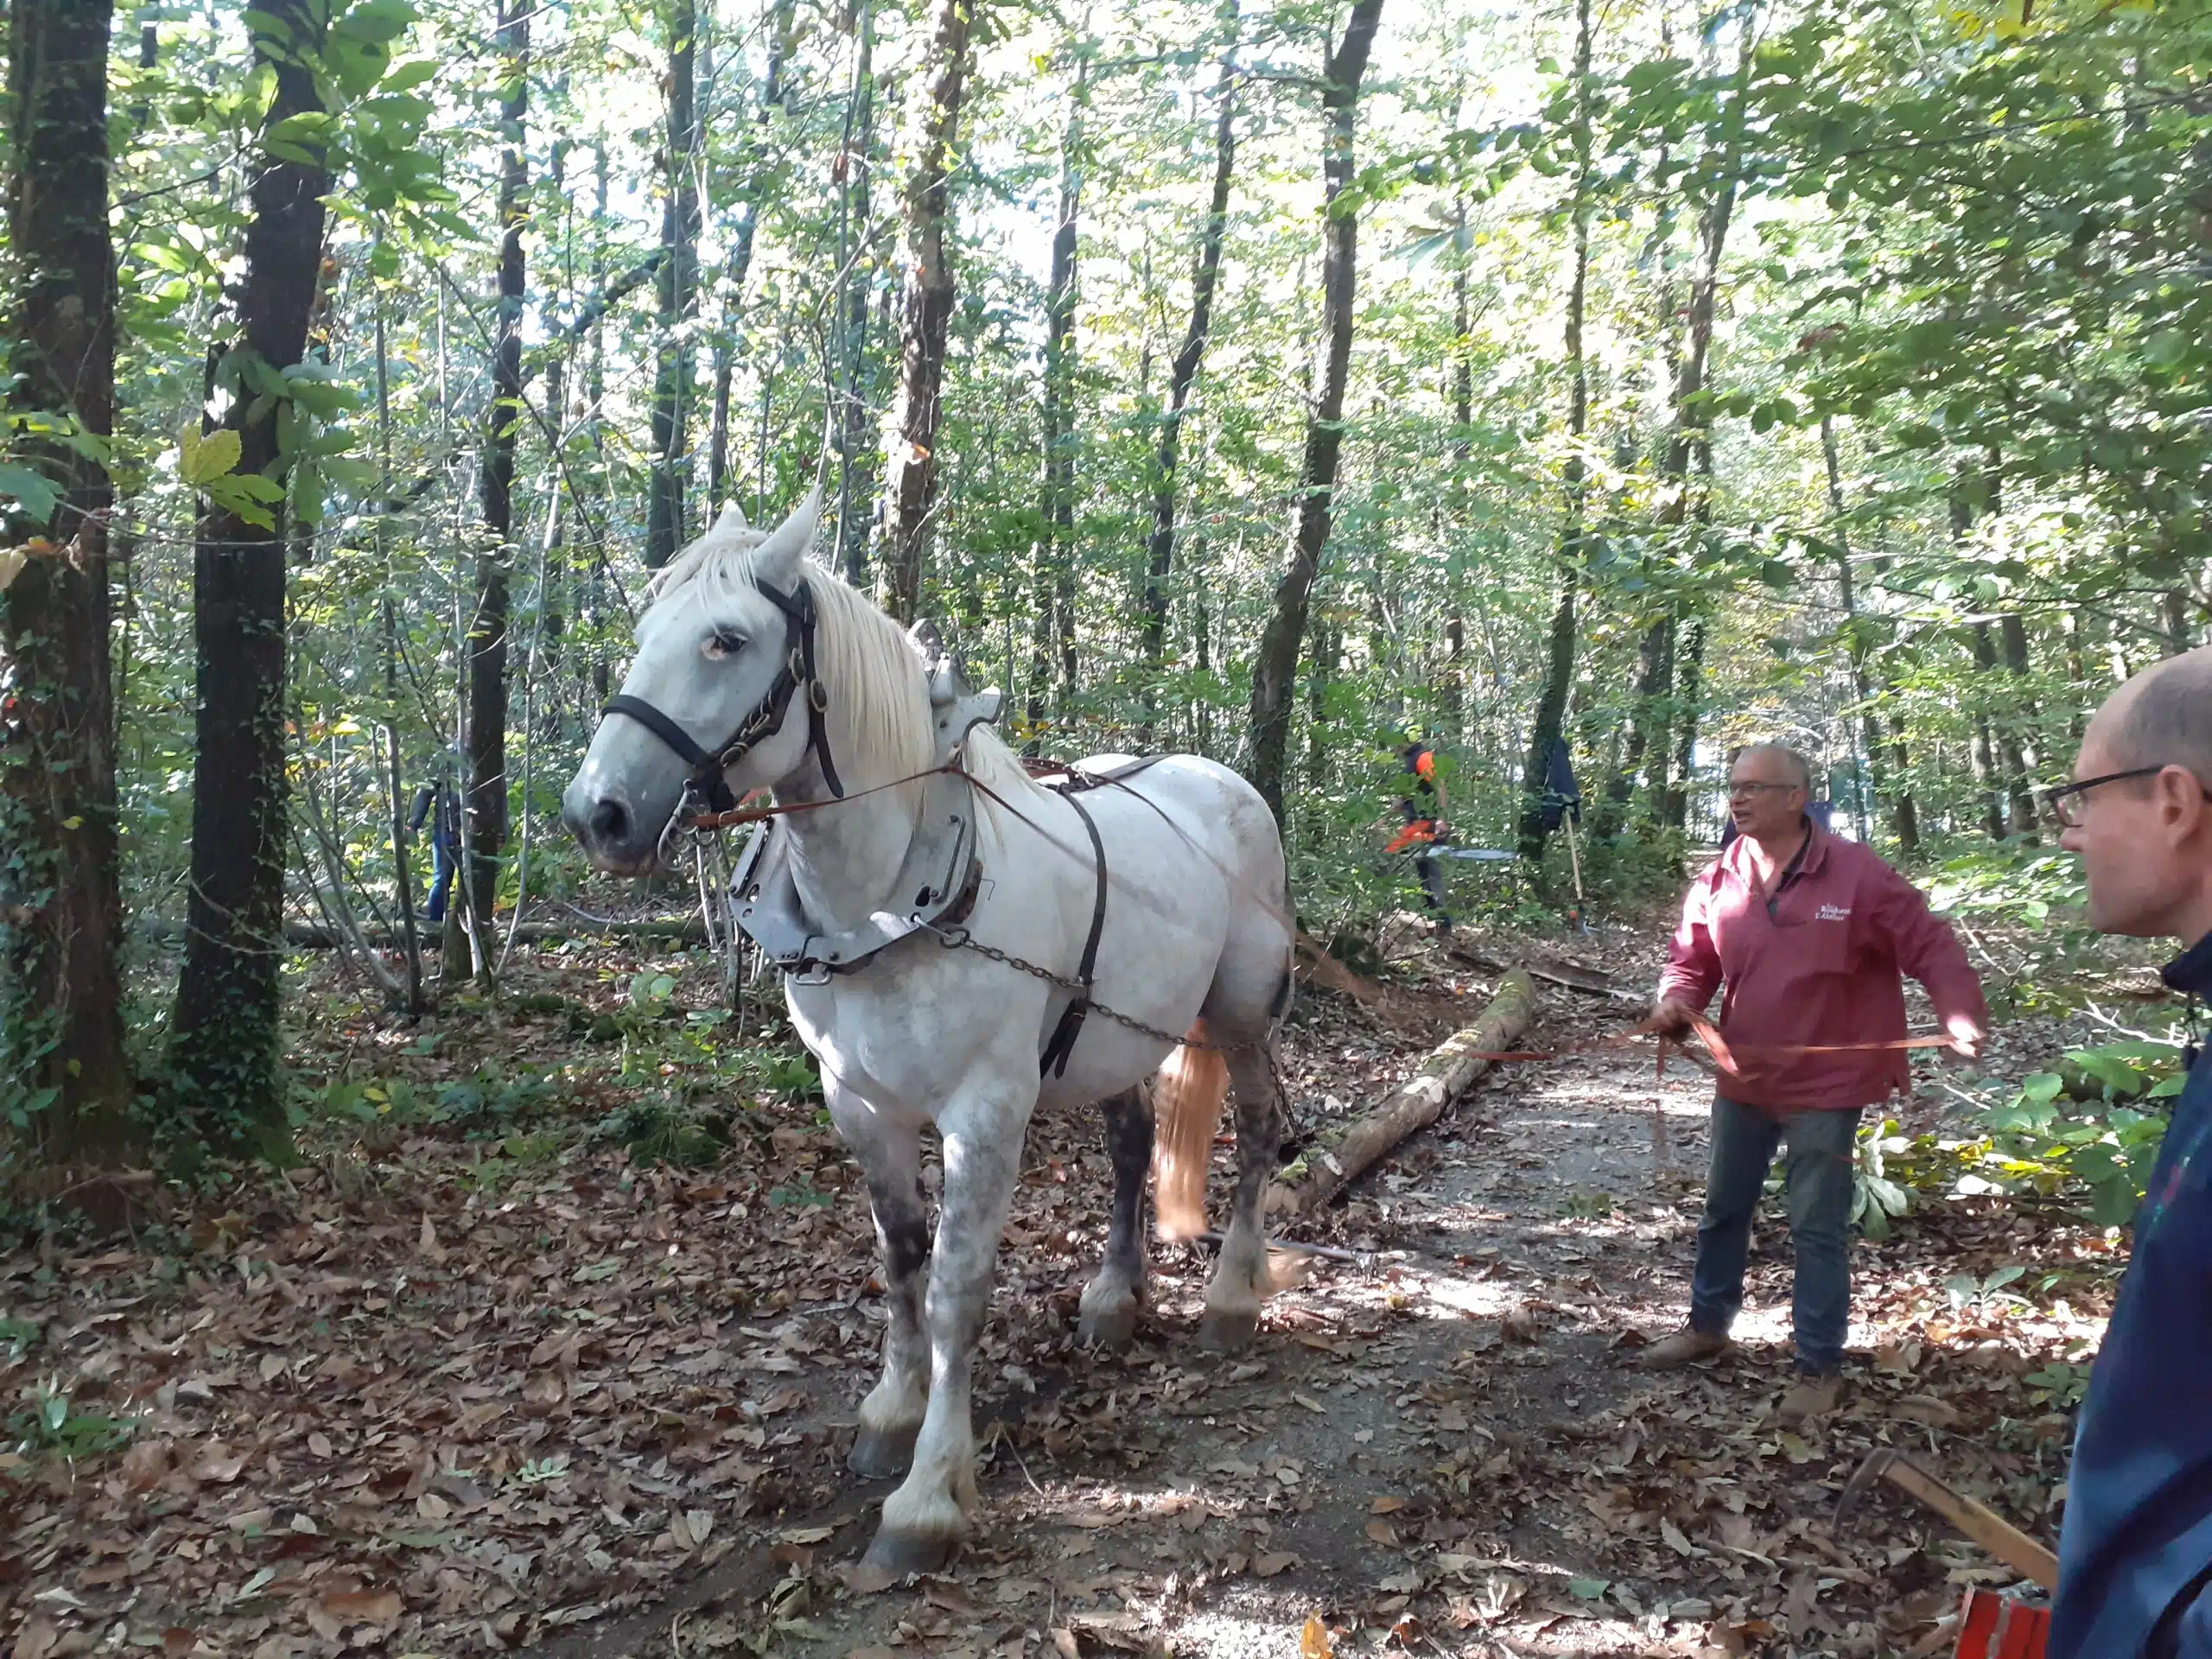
(827,703)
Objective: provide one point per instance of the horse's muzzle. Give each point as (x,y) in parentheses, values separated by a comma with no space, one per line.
(613,836)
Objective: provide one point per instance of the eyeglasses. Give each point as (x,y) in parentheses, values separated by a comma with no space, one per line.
(2068,802)
(1736,788)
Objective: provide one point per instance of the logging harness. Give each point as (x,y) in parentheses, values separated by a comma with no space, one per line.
(942,867)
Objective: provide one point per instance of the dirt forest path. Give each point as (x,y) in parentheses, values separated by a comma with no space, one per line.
(1445,1446)
(441,1397)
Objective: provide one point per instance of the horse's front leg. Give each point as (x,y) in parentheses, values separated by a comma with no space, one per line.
(1111,1301)
(890,1157)
(926,1519)
(1240,1281)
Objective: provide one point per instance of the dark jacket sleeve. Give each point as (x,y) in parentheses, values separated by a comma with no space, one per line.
(1927,949)
(421,808)
(1692,970)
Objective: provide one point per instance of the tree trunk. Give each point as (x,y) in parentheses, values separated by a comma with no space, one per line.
(403,870)
(1983,750)
(1160,563)
(1050,576)
(1856,646)
(2008,723)
(1454,700)
(2021,758)
(1325,647)
(1274,671)
(1690,442)
(1689,695)
(679,234)
(554,584)
(1904,811)
(742,235)
(62,1055)
(224,1038)
(1987,776)
(1559,661)
(486,723)
(855,170)
(592,602)
(1647,735)
(2173,618)
(911,469)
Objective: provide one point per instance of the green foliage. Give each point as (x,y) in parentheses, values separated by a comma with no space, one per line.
(493,1100)
(1953,255)
(1875,1199)
(665,1128)
(52,1426)
(1979,1296)
(2069,1135)
(2039,1140)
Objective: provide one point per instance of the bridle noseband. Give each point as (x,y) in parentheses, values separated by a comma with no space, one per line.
(706,789)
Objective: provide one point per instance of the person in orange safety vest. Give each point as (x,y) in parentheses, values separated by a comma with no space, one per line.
(1423,805)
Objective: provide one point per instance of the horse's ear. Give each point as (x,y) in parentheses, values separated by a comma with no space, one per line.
(732,523)
(781,554)
(927,640)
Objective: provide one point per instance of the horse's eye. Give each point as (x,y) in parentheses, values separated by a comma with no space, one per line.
(722,642)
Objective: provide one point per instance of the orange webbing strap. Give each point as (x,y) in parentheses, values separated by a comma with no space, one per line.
(1724,1055)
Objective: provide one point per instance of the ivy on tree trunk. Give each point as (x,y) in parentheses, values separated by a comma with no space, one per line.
(63,1074)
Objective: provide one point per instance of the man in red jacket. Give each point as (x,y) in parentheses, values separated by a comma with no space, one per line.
(1810,934)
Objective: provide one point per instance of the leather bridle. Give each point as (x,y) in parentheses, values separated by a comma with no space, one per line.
(706,789)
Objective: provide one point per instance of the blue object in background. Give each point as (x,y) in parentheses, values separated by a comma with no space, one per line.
(1563,795)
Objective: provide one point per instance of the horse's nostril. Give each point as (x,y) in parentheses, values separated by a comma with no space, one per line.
(608,820)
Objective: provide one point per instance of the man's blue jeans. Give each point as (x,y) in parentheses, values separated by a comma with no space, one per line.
(1817,1175)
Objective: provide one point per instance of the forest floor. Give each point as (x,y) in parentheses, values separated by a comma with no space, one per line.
(477,1378)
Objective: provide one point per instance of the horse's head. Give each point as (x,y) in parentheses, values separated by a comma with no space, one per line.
(716,696)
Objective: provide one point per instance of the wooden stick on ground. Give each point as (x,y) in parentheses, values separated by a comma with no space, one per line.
(1448,1072)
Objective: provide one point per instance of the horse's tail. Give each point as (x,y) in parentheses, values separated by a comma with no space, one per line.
(1186,1099)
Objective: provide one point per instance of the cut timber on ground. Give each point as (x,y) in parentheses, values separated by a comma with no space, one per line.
(1449,1071)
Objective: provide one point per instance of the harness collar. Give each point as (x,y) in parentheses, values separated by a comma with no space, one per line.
(938,879)
(707,788)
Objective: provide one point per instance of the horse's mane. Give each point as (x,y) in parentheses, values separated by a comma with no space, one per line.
(878,685)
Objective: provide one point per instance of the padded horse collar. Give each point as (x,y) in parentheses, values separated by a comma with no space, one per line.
(707,788)
(938,879)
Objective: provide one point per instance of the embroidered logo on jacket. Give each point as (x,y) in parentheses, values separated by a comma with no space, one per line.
(1833,914)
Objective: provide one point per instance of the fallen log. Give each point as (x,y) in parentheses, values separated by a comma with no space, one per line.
(1448,1072)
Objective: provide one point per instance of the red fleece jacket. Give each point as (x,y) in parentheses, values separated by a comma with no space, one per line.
(1824,968)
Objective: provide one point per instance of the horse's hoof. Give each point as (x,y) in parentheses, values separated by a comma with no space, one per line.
(1111,1327)
(880,1453)
(898,1553)
(1223,1330)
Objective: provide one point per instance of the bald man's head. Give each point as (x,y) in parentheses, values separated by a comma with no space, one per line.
(2143,830)
(2163,717)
